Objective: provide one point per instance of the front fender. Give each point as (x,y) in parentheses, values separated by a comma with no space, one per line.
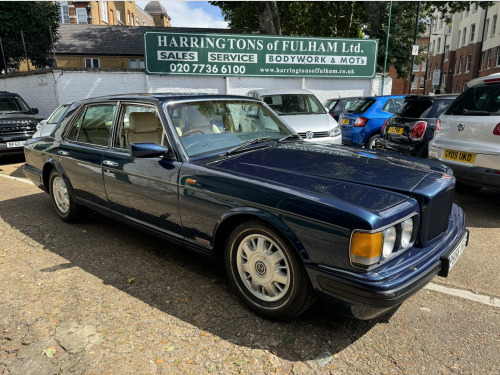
(230,219)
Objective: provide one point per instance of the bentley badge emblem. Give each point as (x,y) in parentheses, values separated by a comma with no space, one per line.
(309,135)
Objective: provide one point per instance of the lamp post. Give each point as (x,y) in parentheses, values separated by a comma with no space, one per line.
(442,61)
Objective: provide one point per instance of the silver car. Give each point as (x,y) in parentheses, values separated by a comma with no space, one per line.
(45,127)
(303,112)
(467,135)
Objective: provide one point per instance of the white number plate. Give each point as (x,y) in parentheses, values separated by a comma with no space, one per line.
(15,144)
(451,258)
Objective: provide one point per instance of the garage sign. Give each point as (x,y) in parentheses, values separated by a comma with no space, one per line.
(229,55)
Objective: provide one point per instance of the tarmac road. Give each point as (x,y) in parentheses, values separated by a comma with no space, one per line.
(99,297)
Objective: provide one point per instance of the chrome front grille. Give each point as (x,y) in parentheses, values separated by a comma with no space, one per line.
(316,135)
(17,126)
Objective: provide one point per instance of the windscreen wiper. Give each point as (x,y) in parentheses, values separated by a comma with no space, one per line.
(289,136)
(477,112)
(248,143)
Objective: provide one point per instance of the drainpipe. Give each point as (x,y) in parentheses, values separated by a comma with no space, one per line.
(481,45)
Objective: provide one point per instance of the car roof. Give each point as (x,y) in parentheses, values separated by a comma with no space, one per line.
(491,79)
(261,92)
(375,97)
(6,93)
(432,97)
(347,98)
(166,97)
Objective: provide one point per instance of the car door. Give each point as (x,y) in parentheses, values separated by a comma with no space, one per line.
(144,190)
(80,152)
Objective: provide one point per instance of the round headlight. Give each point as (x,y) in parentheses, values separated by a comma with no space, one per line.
(389,242)
(406,232)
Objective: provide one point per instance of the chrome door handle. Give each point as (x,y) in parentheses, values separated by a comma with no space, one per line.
(110,163)
(64,153)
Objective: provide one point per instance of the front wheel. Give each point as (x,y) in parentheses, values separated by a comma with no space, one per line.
(63,202)
(265,273)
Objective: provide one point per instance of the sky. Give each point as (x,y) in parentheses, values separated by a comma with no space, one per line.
(192,14)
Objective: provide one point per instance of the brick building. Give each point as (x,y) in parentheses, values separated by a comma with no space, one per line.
(124,13)
(464,49)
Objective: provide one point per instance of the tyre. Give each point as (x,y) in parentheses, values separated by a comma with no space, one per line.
(266,273)
(64,203)
(370,143)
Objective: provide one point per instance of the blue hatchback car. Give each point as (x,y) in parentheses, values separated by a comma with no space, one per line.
(362,123)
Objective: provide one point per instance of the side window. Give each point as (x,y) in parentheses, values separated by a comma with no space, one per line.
(388,106)
(138,124)
(93,125)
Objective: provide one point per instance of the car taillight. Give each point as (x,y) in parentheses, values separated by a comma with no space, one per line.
(437,127)
(418,130)
(360,121)
(383,126)
(496,131)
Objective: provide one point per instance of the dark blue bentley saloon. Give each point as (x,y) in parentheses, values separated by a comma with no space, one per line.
(226,176)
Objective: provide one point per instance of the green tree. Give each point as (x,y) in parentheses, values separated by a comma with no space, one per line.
(349,19)
(35,20)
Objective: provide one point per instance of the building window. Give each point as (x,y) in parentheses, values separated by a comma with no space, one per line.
(441,23)
(137,21)
(472,32)
(467,63)
(498,56)
(475,7)
(439,45)
(118,16)
(449,29)
(461,62)
(135,64)
(467,13)
(446,52)
(488,60)
(443,82)
(416,67)
(81,15)
(92,63)
(433,47)
(481,64)
(128,17)
(104,11)
(464,36)
(494,24)
(458,88)
(486,26)
(459,36)
(63,12)
(456,67)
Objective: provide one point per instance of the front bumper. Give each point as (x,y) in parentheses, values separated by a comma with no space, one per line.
(6,140)
(371,294)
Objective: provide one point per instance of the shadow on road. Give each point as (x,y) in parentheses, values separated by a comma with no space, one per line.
(481,208)
(177,281)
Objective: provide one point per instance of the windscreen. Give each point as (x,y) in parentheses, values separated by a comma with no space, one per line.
(415,108)
(13,104)
(57,115)
(207,127)
(361,106)
(294,104)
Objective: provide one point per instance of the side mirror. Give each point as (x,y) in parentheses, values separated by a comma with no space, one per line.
(147,150)
(34,111)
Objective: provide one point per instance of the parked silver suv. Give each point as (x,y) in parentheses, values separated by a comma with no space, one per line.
(467,135)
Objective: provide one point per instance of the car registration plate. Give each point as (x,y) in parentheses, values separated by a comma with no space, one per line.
(15,144)
(461,156)
(395,130)
(344,121)
(449,259)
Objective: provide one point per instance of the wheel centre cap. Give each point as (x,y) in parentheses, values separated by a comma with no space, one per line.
(260,268)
